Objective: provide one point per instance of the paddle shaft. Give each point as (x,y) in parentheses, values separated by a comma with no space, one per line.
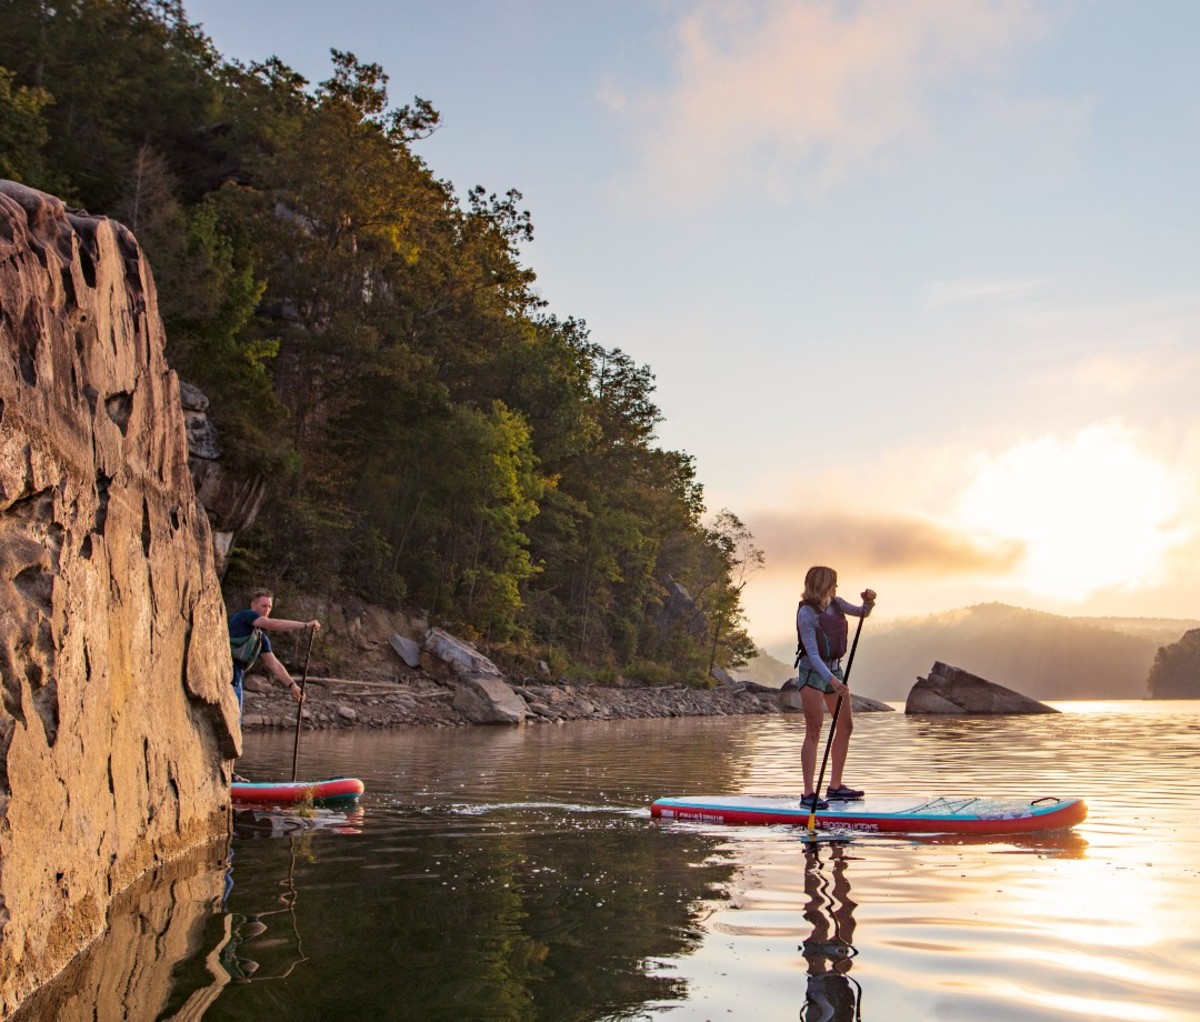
(304,680)
(837,709)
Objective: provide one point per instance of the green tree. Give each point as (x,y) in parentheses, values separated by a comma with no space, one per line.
(739,559)
(23,132)
(208,294)
(376,344)
(120,74)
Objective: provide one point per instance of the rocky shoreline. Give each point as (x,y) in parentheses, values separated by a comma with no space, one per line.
(430,678)
(335,703)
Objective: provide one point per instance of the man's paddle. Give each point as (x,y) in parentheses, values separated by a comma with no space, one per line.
(837,709)
(304,680)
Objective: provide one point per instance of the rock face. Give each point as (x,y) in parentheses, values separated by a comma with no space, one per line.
(461,657)
(117,719)
(679,610)
(955,691)
(406,649)
(483,699)
(232,501)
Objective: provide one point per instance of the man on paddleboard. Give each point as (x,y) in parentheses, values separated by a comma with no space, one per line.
(249,643)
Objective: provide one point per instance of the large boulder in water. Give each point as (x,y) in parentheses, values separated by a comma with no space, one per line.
(951,690)
(484,699)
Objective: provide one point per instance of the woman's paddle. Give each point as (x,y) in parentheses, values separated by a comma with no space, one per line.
(837,709)
(304,680)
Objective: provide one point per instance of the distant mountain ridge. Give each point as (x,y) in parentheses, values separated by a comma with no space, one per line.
(1046,656)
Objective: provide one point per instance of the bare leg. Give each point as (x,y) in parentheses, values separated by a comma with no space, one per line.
(841,739)
(814,716)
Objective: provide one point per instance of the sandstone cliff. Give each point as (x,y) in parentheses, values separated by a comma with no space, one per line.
(117,721)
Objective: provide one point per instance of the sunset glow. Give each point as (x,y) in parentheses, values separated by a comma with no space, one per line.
(1091,510)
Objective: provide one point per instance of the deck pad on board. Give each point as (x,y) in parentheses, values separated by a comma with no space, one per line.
(897,814)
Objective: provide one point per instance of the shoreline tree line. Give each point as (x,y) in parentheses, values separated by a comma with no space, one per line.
(374,344)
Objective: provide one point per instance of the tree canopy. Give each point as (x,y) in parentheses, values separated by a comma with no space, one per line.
(376,345)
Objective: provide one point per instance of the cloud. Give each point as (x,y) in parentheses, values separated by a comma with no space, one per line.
(767,92)
(1147,348)
(952,292)
(886,542)
(1095,518)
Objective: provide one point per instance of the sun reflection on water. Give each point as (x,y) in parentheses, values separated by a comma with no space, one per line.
(1093,923)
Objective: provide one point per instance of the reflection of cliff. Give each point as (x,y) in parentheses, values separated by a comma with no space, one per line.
(1045,656)
(158,958)
(831,993)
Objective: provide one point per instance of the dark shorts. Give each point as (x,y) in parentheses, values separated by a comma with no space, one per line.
(812,679)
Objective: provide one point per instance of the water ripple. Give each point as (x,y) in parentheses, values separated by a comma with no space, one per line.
(521,868)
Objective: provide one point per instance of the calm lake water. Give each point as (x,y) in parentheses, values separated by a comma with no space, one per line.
(516,874)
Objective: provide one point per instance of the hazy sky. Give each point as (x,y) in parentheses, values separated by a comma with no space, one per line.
(919,279)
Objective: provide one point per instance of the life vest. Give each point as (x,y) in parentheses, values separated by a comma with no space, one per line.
(832,633)
(245,648)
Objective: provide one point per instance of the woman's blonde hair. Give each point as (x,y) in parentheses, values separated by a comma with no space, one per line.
(817,583)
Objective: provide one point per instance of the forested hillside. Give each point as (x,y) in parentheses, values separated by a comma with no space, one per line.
(1045,656)
(1176,670)
(373,341)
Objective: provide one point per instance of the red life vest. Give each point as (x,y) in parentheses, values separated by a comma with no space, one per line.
(836,629)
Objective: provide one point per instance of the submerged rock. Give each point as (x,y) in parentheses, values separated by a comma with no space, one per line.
(951,690)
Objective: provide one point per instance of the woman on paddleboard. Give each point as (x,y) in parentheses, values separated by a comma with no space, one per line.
(821,629)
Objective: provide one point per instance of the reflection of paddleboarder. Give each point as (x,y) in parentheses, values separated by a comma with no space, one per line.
(243,929)
(832,995)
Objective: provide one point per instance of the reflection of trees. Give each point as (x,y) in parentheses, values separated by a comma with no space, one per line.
(832,995)
(453,926)
(516,914)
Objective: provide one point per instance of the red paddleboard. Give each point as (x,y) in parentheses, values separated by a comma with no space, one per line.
(895,814)
(332,791)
